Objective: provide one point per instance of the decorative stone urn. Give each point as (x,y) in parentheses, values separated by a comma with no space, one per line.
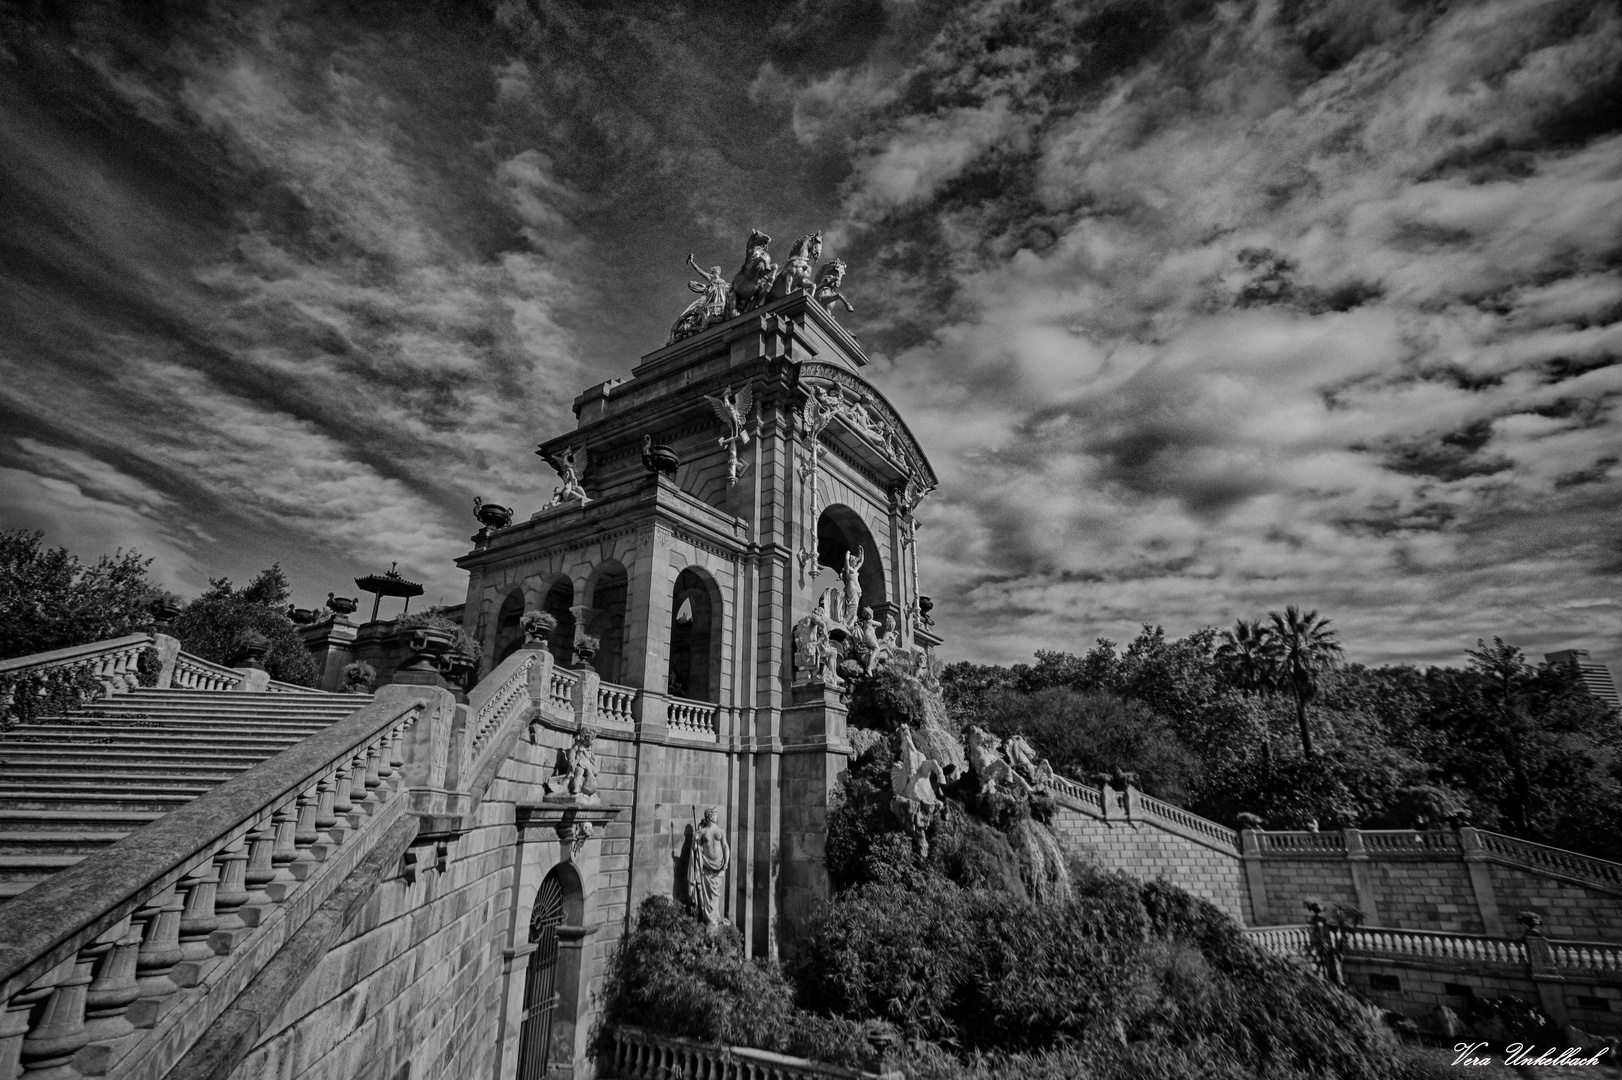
(428,645)
(164,612)
(251,652)
(537,627)
(584,649)
(659,458)
(342,605)
(493,515)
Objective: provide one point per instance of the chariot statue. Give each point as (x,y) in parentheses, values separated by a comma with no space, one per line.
(802,259)
(754,280)
(711,306)
(829,278)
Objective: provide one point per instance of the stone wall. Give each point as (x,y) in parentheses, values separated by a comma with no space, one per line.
(1417,991)
(1569,910)
(1150,850)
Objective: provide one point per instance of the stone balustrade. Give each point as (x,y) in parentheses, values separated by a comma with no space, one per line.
(110,962)
(693,719)
(1282,940)
(495,703)
(115,663)
(1300,843)
(1567,864)
(615,704)
(560,690)
(195,673)
(644,1055)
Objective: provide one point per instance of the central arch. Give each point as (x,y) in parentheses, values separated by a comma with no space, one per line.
(841,531)
(695,637)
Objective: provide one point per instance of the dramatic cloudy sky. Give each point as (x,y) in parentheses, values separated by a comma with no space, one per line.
(1199,309)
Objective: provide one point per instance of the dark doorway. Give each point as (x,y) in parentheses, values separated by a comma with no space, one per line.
(541,982)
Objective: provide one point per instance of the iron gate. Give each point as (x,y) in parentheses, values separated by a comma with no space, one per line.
(540,982)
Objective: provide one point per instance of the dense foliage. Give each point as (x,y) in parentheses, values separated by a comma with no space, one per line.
(1519,747)
(50,600)
(217,625)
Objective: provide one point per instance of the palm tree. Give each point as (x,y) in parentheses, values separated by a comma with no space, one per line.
(1249,657)
(1308,648)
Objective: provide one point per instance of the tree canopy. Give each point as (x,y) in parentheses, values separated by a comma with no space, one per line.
(51,600)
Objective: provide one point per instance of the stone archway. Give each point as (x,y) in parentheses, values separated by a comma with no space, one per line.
(509,635)
(606,593)
(546,1039)
(841,531)
(695,637)
(558,601)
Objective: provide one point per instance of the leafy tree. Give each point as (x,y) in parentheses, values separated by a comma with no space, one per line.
(218,623)
(50,600)
(1249,659)
(1308,648)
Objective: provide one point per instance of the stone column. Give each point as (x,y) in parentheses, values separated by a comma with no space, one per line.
(1357,859)
(1481,883)
(1250,856)
(815,752)
(332,646)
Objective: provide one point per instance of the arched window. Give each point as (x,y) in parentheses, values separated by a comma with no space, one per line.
(552,977)
(559,603)
(695,638)
(608,590)
(509,635)
(839,532)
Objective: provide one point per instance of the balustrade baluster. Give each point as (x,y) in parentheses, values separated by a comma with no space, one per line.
(325,817)
(357,785)
(14,1024)
(160,948)
(230,894)
(112,988)
(373,781)
(199,918)
(285,852)
(260,871)
(58,1031)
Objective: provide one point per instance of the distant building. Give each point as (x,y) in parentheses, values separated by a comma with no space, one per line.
(1597,677)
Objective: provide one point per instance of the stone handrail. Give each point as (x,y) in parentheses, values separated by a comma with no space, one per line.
(276,686)
(1301,843)
(637,1054)
(114,662)
(695,719)
(1408,841)
(1568,864)
(614,703)
(498,701)
(1282,940)
(1154,807)
(130,940)
(195,673)
(1080,792)
(1434,945)
(1603,958)
(560,689)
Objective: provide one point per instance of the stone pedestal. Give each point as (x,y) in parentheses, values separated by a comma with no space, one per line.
(332,646)
(815,752)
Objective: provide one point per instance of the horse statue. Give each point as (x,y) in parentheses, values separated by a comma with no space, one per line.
(796,273)
(988,764)
(829,278)
(1025,762)
(749,289)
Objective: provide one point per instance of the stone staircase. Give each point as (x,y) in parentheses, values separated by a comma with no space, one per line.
(70,786)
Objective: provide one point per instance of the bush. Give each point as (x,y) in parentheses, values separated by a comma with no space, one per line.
(214,628)
(357,678)
(51,692)
(50,600)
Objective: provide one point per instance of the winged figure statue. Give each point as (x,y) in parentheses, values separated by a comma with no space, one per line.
(571,466)
(732,409)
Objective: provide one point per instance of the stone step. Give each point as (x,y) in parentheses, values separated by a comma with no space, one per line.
(38,732)
(105,754)
(32,868)
(100,800)
(33,772)
(114,823)
(33,842)
(40,791)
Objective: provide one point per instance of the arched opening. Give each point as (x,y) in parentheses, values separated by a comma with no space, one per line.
(607,600)
(509,635)
(695,638)
(559,602)
(552,977)
(841,532)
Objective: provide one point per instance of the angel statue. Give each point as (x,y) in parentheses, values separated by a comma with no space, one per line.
(732,409)
(802,258)
(710,307)
(754,278)
(571,466)
(829,278)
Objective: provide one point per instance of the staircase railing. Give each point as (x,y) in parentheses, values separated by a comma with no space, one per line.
(111,961)
(637,1054)
(1133,805)
(115,663)
(195,673)
(1568,864)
